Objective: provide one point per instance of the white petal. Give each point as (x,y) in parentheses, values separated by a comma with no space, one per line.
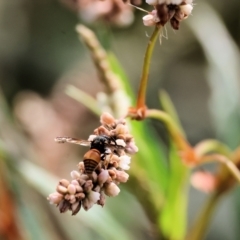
(124,162)
(120,142)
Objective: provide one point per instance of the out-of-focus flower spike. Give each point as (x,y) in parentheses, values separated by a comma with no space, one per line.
(100,60)
(116,98)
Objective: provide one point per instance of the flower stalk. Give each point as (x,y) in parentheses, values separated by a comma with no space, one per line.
(224,160)
(173,129)
(141,99)
(139,111)
(198,230)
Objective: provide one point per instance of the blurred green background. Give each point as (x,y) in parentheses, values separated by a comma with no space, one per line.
(199,66)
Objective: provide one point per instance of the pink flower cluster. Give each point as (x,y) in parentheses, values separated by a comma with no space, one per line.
(88,189)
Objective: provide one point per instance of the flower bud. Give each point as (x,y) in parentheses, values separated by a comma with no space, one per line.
(101,200)
(186,9)
(55,198)
(121,129)
(75,174)
(71,189)
(61,189)
(91,199)
(72,199)
(148,20)
(107,119)
(120,142)
(76,207)
(102,131)
(131,148)
(121,176)
(80,196)
(94,176)
(88,186)
(64,182)
(124,162)
(179,15)
(112,173)
(103,177)
(111,189)
(64,205)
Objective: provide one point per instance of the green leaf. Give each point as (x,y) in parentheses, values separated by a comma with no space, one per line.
(83,98)
(169,108)
(117,69)
(174,214)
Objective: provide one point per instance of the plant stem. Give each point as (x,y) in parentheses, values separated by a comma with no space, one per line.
(224,160)
(198,230)
(146,65)
(172,127)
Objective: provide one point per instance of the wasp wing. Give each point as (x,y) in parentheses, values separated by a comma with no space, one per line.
(72,140)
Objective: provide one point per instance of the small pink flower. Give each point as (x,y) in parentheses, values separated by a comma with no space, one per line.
(204,181)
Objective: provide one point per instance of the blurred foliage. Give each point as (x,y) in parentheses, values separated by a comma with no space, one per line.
(40,55)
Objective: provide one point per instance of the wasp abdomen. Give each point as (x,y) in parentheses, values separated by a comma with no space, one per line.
(91,159)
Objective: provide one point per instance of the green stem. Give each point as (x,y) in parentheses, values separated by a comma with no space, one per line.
(198,230)
(224,160)
(146,66)
(172,127)
(212,146)
(84,98)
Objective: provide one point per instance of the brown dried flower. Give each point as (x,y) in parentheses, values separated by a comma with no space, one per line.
(102,170)
(173,11)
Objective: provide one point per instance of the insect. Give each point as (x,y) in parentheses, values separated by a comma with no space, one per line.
(100,146)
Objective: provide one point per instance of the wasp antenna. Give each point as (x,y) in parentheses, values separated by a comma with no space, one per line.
(141,9)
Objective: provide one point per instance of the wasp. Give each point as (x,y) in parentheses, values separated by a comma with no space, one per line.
(100,147)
